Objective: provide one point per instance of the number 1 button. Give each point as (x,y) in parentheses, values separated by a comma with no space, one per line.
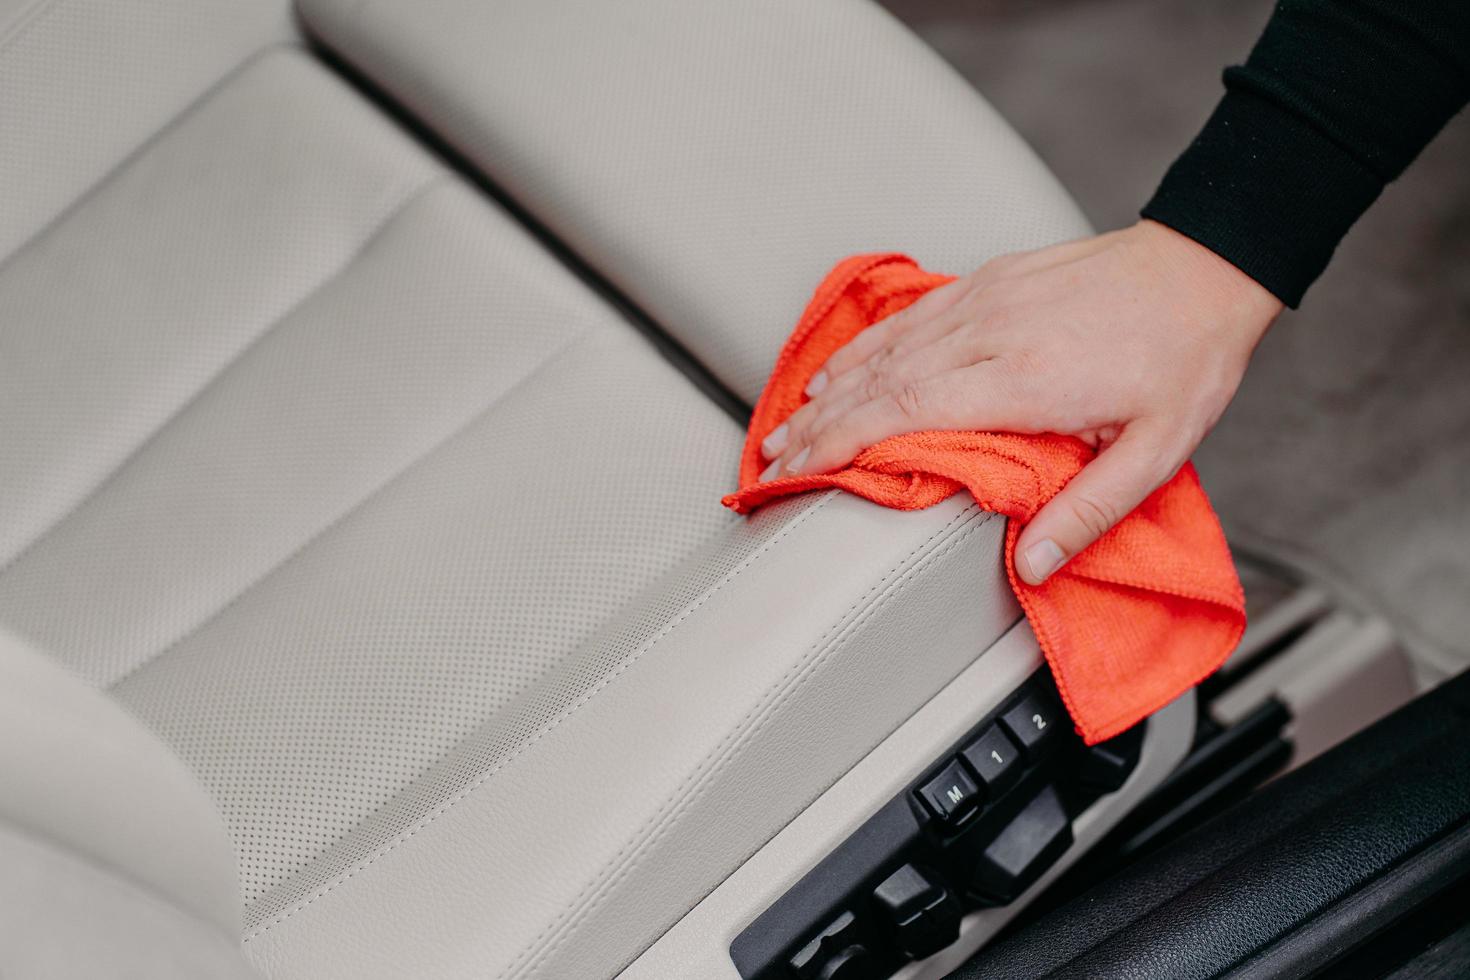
(994,759)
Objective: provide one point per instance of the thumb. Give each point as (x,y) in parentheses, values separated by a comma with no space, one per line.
(1106,490)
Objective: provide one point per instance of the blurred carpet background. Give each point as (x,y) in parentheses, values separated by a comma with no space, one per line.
(1347,450)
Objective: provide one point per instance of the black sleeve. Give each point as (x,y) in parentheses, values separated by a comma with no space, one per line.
(1336,99)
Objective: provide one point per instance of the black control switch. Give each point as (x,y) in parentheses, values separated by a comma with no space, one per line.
(1028,845)
(835,953)
(924,915)
(952,795)
(994,759)
(1108,765)
(1034,723)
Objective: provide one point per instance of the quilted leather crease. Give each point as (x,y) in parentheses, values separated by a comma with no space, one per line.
(1148,611)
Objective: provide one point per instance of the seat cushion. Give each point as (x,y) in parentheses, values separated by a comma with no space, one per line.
(284,386)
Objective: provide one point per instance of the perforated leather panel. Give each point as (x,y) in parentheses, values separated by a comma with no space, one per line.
(598,661)
(327,687)
(319,460)
(84,83)
(120,316)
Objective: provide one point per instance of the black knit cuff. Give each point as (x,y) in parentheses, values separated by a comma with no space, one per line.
(1267,191)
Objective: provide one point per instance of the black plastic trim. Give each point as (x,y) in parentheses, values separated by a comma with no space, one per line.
(905,830)
(1340,847)
(1318,947)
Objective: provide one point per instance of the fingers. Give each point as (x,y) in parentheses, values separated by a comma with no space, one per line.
(1081,339)
(1106,490)
(869,382)
(862,347)
(975,397)
(924,322)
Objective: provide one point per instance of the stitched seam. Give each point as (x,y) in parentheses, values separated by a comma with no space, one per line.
(24,23)
(774,697)
(27,21)
(394,211)
(659,823)
(357,505)
(561,717)
(137,152)
(719,883)
(209,383)
(293,876)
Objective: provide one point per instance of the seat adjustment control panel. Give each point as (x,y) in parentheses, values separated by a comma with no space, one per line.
(978,828)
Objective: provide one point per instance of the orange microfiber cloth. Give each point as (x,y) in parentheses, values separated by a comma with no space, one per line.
(1145,613)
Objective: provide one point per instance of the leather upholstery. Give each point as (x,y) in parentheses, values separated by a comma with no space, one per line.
(713,159)
(84,83)
(97,814)
(353,425)
(660,754)
(400,537)
(66,917)
(117,318)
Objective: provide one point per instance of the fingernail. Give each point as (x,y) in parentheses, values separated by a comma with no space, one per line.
(770,472)
(816,384)
(1043,558)
(796,461)
(772,444)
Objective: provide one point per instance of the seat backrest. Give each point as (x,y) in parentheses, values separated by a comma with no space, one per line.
(713,160)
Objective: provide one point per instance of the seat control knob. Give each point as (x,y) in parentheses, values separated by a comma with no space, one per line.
(852,963)
(1108,765)
(1024,848)
(835,953)
(925,917)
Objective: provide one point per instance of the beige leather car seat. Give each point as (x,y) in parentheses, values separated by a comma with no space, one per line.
(339,448)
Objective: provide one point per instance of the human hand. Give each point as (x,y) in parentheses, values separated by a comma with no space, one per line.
(1133,341)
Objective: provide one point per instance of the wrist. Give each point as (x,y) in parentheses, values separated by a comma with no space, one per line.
(1207,280)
